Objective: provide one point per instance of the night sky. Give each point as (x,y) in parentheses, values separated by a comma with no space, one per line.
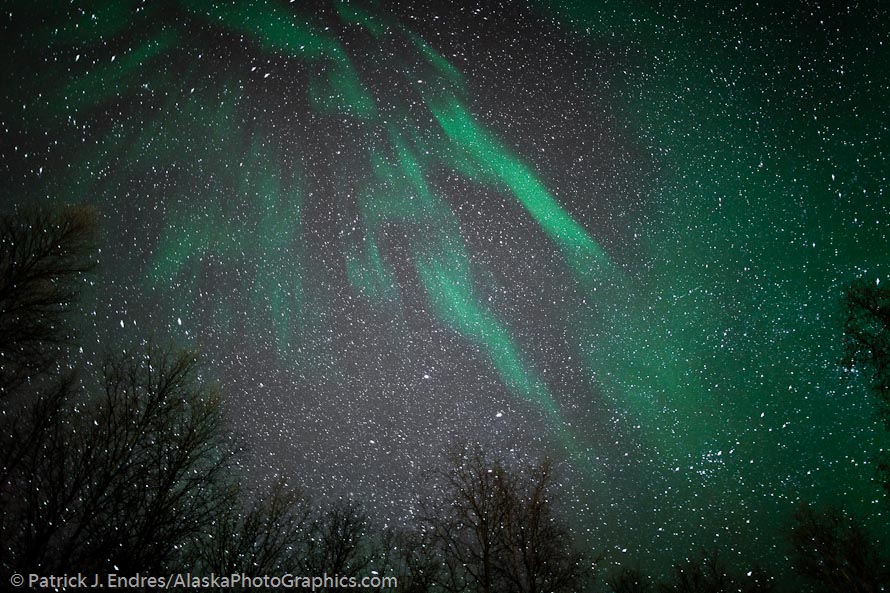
(617,233)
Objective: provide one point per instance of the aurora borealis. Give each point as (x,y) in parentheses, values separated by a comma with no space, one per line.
(612,232)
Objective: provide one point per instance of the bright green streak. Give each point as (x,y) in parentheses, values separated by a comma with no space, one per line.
(400,193)
(368,273)
(446,280)
(445,274)
(251,215)
(265,236)
(582,253)
(442,66)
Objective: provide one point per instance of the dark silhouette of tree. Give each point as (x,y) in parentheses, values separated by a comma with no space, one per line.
(43,259)
(707,573)
(267,536)
(122,481)
(538,547)
(284,533)
(112,472)
(629,580)
(496,530)
(466,529)
(340,542)
(867,338)
(35,452)
(410,554)
(867,350)
(832,550)
(699,575)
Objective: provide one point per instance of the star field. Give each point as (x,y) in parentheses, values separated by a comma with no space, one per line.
(616,234)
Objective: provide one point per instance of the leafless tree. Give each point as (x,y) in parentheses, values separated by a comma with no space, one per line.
(867,350)
(704,574)
(832,550)
(707,573)
(496,530)
(340,542)
(267,536)
(410,554)
(466,526)
(629,580)
(124,479)
(43,259)
(540,555)
(130,470)
(867,338)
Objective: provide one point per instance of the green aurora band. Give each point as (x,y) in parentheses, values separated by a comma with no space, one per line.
(657,345)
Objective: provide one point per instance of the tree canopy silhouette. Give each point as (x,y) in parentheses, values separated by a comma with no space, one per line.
(867,338)
(44,256)
(496,529)
(834,551)
(111,472)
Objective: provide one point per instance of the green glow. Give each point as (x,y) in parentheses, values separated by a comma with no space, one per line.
(275,28)
(446,280)
(339,91)
(353,14)
(368,274)
(97,23)
(746,239)
(278,286)
(441,65)
(112,79)
(761,175)
(582,253)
